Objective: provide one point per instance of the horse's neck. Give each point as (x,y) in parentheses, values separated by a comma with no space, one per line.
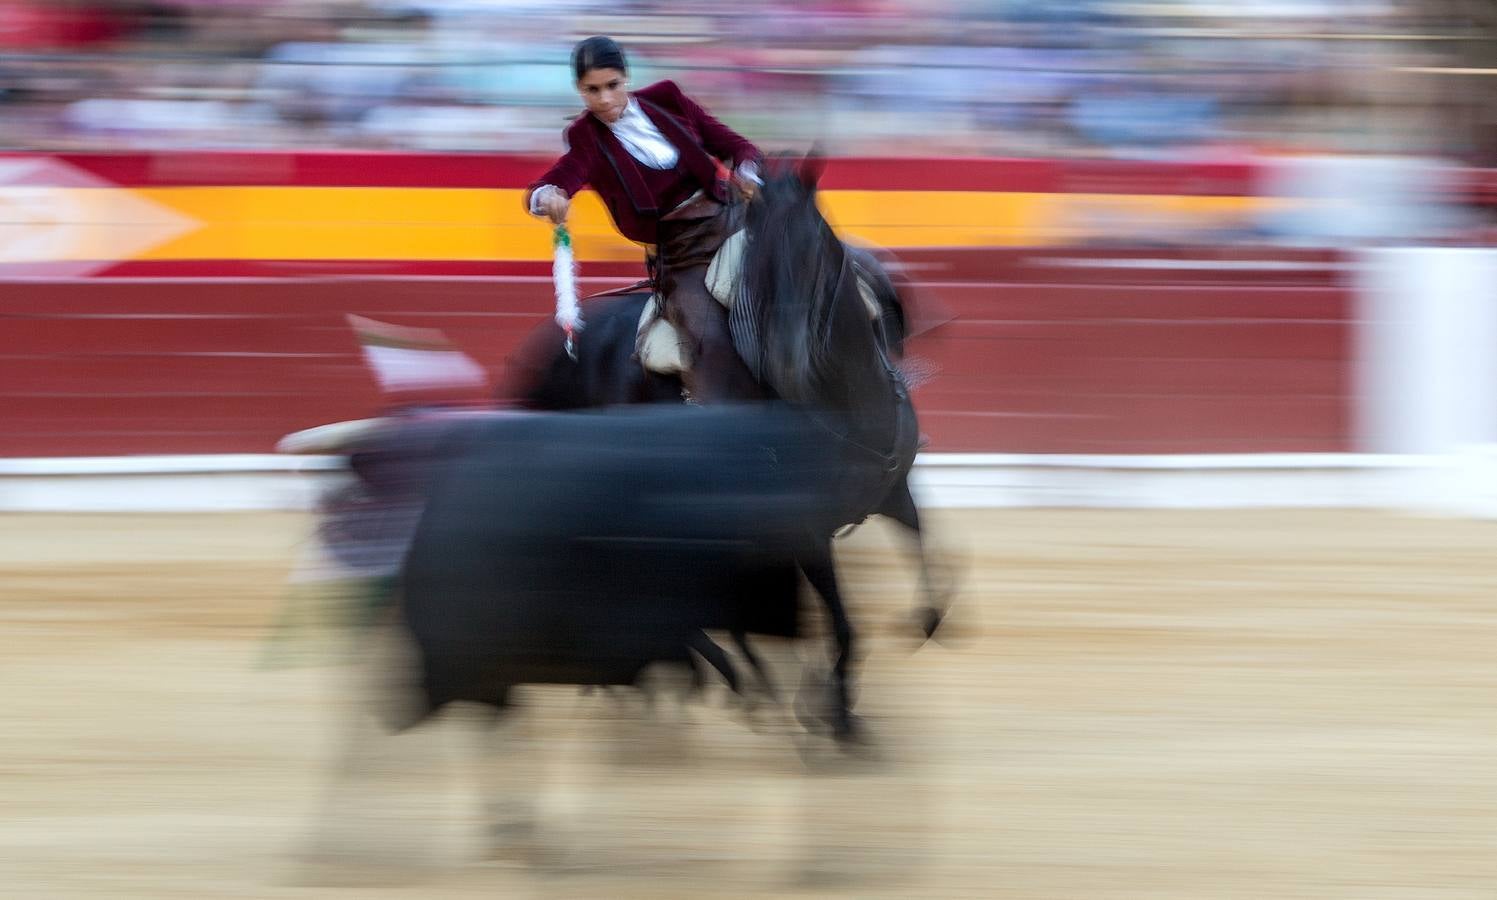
(828,355)
(860,380)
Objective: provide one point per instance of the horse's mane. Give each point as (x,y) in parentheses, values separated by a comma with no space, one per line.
(795,273)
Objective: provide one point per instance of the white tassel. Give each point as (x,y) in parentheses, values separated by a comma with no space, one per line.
(564,273)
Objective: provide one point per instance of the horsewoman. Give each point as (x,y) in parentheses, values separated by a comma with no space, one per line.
(655,157)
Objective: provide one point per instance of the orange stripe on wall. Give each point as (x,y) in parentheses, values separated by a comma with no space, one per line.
(445,224)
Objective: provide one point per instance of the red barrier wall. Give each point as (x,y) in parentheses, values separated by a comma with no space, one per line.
(1047,351)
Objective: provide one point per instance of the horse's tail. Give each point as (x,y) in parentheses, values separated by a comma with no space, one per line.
(533,371)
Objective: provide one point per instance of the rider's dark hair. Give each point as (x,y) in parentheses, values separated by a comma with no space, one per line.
(598,53)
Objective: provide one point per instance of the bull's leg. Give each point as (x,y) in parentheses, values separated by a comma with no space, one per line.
(355,829)
(717,658)
(822,574)
(507,776)
(761,671)
(340,830)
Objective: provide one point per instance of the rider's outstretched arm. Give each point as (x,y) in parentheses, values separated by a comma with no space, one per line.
(567,177)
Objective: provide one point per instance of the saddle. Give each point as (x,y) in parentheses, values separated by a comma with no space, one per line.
(659,344)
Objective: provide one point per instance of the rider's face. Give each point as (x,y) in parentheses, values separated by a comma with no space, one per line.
(605,91)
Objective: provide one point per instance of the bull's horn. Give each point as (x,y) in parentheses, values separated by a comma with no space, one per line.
(334,438)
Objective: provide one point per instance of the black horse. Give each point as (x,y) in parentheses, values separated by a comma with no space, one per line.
(802,324)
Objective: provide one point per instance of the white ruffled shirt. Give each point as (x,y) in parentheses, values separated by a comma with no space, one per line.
(643,139)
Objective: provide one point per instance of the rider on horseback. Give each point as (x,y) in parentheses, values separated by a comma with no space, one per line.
(653,156)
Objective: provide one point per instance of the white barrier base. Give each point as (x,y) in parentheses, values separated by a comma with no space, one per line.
(1454,484)
(166,483)
(1222,481)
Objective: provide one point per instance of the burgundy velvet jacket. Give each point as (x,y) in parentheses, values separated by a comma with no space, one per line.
(635,194)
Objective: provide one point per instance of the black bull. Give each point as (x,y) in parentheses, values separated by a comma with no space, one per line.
(577,548)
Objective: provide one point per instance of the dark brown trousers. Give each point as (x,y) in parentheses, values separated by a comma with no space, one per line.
(688,239)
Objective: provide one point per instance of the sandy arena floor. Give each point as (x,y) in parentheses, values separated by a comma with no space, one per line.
(1144,705)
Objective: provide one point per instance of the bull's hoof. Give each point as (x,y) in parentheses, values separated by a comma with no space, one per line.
(514,841)
(340,860)
(530,851)
(402,714)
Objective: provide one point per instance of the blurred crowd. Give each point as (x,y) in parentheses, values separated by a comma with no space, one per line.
(1163,79)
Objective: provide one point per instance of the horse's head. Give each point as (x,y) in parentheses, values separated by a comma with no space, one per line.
(790,184)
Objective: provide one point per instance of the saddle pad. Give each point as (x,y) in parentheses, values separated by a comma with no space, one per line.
(657,343)
(727,263)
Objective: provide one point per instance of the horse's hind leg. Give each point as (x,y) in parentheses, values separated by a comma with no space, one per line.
(900,506)
(822,574)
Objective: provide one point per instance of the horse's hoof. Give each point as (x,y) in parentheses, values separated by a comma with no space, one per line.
(860,747)
(810,723)
(848,729)
(929,619)
(752,715)
(814,721)
(948,632)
